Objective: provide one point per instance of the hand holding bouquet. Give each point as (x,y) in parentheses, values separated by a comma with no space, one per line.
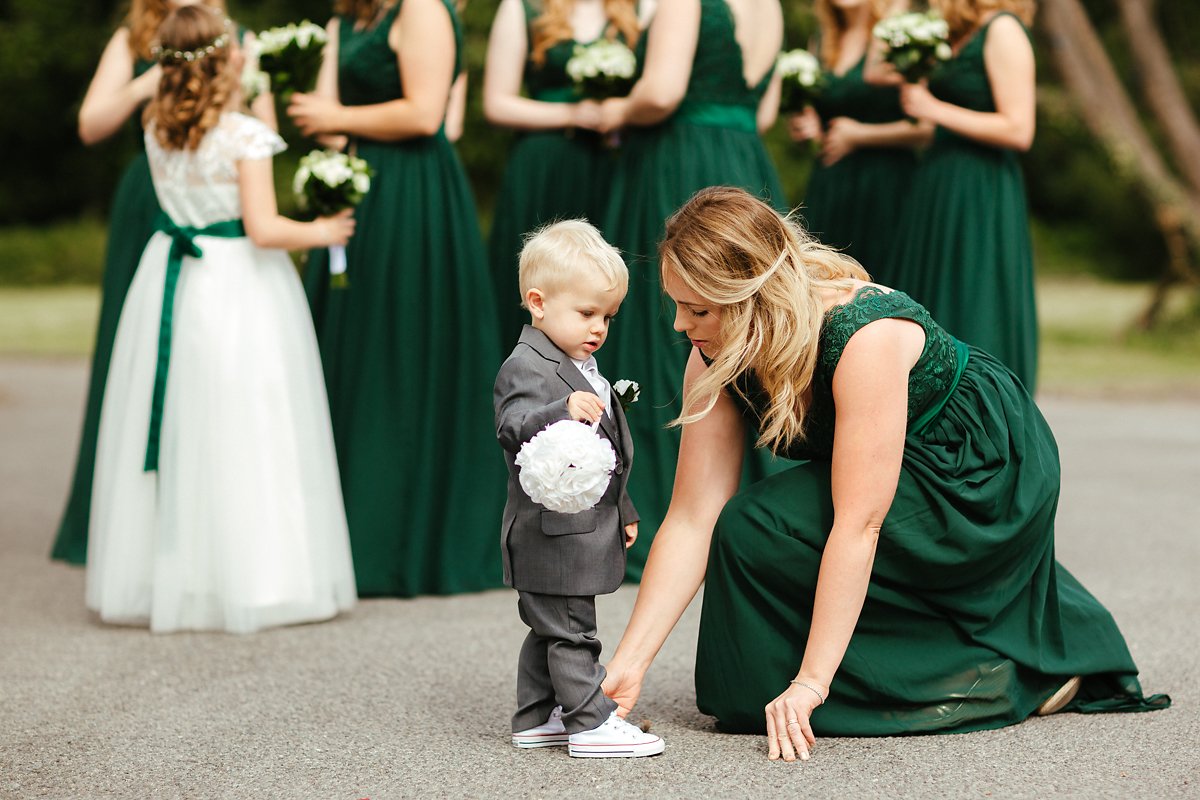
(916,43)
(291,57)
(327,182)
(602,69)
(802,80)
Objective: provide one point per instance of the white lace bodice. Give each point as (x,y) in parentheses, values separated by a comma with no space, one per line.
(200,187)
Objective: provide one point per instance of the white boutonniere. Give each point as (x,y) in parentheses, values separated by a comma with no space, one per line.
(627,393)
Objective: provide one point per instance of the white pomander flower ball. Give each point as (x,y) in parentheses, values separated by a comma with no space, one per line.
(566,467)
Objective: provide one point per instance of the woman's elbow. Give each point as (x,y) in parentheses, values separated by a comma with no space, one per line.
(661,102)
(89,131)
(429,122)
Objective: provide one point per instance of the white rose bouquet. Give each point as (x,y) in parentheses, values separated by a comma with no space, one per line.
(291,57)
(917,42)
(327,182)
(602,69)
(566,467)
(803,80)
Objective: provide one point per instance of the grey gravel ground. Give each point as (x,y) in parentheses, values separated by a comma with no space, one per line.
(410,698)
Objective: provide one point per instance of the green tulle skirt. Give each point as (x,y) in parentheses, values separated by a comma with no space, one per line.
(966,254)
(410,352)
(969,622)
(660,168)
(856,205)
(134,209)
(551,175)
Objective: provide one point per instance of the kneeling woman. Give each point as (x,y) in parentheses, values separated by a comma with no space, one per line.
(924,516)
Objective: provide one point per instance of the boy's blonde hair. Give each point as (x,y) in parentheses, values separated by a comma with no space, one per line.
(557,253)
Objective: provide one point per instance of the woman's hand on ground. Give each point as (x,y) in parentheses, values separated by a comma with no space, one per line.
(789,732)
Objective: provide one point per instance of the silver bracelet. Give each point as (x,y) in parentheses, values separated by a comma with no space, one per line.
(811,689)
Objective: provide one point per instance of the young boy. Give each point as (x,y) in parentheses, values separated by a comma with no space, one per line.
(572,282)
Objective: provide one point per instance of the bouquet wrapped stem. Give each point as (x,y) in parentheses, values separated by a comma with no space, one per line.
(802,81)
(327,182)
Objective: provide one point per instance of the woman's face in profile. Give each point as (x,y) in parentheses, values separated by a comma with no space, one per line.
(696,317)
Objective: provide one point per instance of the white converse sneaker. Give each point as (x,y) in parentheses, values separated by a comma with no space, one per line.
(548,734)
(615,738)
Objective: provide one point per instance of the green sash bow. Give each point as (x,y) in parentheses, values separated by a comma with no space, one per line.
(183,243)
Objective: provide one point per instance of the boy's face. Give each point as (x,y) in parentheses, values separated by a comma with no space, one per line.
(576,317)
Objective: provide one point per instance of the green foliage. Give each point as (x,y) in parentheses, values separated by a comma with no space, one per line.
(1085,211)
(63,253)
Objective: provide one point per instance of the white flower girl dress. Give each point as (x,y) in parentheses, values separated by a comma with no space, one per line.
(242,526)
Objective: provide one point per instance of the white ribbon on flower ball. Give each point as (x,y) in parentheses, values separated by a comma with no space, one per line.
(566,467)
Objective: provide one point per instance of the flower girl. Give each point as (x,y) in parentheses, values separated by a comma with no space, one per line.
(216,503)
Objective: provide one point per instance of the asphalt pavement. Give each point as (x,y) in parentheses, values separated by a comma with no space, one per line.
(411,698)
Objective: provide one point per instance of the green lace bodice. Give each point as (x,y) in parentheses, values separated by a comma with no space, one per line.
(550,82)
(718,74)
(849,95)
(367,70)
(963,80)
(928,383)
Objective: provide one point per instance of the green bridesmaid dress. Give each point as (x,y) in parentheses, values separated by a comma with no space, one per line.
(551,174)
(969,622)
(410,351)
(710,140)
(855,204)
(134,209)
(966,253)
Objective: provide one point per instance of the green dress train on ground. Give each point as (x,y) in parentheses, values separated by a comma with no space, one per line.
(410,351)
(856,203)
(966,253)
(969,622)
(710,140)
(551,174)
(134,209)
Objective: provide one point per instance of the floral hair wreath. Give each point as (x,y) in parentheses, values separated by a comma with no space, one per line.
(189,56)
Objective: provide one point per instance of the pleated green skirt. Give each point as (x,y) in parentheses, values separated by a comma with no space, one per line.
(134,209)
(659,170)
(966,254)
(856,205)
(551,175)
(410,352)
(969,622)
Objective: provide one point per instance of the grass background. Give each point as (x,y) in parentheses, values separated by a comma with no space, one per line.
(1089,346)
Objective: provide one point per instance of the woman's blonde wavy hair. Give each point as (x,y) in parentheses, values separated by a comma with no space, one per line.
(763,271)
(833,25)
(964,16)
(143,20)
(191,94)
(553,25)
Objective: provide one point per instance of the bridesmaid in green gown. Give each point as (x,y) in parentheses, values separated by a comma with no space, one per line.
(692,120)
(903,579)
(558,167)
(859,185)
(966,253)
(125,79)
(410,347)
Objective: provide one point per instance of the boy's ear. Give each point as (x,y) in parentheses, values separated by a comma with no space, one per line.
(535,301)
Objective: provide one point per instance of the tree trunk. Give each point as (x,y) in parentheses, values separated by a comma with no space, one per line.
(1163,93)
(1089,75)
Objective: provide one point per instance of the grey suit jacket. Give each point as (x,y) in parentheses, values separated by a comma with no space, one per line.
(544,551)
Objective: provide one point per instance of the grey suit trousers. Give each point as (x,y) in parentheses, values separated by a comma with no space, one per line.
(559,663)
